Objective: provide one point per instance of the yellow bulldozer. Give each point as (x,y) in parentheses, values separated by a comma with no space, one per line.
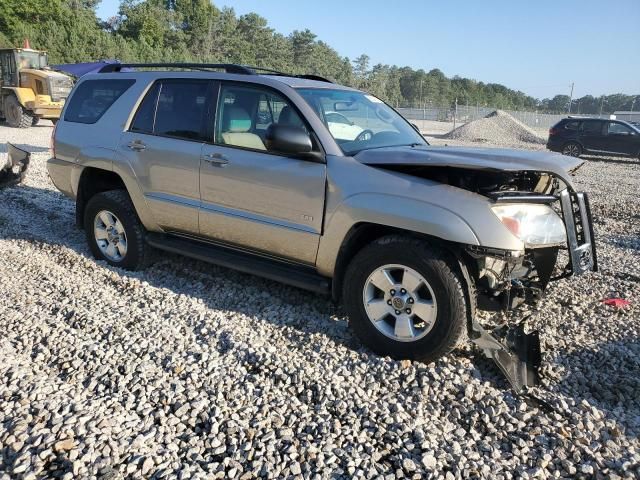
(29,90)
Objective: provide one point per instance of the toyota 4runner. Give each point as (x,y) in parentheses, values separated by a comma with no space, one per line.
(326,188)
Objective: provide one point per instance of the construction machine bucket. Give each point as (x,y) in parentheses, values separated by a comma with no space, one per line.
(15,168)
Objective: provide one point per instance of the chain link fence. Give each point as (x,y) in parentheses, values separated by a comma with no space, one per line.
(467,113)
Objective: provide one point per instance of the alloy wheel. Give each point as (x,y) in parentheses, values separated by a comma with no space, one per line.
(110,235)
(400,303)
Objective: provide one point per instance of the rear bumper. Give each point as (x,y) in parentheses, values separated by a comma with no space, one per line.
(60,174)
(554,144)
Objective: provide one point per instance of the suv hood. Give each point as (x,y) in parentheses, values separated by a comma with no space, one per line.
(496,159)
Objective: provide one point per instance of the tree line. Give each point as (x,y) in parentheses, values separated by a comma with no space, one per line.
(198,31)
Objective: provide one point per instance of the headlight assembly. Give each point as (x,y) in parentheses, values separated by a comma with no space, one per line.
(536,225)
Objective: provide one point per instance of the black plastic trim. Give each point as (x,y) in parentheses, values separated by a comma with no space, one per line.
(280,271)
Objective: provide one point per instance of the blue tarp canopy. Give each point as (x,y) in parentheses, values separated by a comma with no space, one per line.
(80,69)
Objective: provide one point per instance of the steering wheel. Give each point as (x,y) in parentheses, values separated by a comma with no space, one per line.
(364,136)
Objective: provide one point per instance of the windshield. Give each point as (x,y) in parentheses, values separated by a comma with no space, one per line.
(359,121)
(34,60)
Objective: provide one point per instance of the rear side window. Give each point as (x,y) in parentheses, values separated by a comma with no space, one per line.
(573,125)
(175,108)
(145,116)
(93,98)
(593,128)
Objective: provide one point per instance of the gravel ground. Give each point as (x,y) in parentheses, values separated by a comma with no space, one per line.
(187,370)
(497,128)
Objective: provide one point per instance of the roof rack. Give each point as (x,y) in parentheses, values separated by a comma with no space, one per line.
(227,67)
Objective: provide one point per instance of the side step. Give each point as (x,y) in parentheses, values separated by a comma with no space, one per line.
(295,275)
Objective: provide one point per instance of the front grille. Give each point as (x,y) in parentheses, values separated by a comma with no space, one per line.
(60,88)
(577,219)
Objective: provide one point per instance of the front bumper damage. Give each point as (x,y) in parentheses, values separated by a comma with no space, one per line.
(15,169)
(517,353)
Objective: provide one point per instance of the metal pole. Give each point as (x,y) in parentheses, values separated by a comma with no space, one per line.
(455,113)
(601,103)
(570,98)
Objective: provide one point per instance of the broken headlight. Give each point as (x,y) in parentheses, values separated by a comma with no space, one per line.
(535,224)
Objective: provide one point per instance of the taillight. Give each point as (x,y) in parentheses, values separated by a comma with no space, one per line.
(52,142)
(553,131)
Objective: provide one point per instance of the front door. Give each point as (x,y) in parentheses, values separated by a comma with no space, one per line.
(621,139)
(254,197)
(163,146)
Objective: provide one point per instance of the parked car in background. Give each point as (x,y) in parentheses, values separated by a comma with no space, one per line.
(594,136)
(327,188)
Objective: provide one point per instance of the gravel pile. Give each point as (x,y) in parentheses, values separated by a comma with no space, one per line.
(496,129)
(187,370)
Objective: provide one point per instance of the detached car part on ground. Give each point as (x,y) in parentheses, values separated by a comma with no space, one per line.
(15,167)
(410,238)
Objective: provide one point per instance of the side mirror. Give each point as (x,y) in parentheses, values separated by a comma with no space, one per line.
(288,139)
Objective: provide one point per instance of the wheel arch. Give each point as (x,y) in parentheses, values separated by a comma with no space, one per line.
(364,233)
(94,180)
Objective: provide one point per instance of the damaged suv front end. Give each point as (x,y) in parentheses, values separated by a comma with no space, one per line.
(532,196)
(548,224)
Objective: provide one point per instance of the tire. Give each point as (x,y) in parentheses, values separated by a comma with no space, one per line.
(572,149)
(35,121)
(419,336)
(16,115)
(100,212)
(54,121)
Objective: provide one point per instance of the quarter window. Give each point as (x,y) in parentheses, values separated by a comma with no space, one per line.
(93,98)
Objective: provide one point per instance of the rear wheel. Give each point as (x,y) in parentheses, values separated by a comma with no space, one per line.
(16,115)
(114,232)
(404,299)
(572,149)
(35,121)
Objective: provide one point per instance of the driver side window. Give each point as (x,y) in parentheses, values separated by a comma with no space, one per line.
(245,113)
(618,129)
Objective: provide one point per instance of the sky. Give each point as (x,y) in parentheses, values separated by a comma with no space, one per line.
(539,47)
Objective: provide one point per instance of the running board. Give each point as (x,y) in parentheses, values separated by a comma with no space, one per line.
(280,271)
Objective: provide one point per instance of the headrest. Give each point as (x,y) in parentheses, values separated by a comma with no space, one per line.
(236,119)
(289,117)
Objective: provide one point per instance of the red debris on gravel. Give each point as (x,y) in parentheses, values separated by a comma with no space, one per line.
(616,302)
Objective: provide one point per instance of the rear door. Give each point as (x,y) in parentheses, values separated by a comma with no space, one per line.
(591,135)
(252,196)
(620,138)
(163,145)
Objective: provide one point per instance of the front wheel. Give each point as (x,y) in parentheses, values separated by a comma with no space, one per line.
(16,115)
(404,299)
(114,232)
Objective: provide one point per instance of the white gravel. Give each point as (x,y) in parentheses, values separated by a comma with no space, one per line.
(187,370)
(496,129)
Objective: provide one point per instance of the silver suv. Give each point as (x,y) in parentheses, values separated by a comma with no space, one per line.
(326,188)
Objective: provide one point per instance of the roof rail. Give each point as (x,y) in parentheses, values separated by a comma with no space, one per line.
(227,67)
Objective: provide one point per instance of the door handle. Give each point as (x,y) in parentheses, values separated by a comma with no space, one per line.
(136,145)
(216,159)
